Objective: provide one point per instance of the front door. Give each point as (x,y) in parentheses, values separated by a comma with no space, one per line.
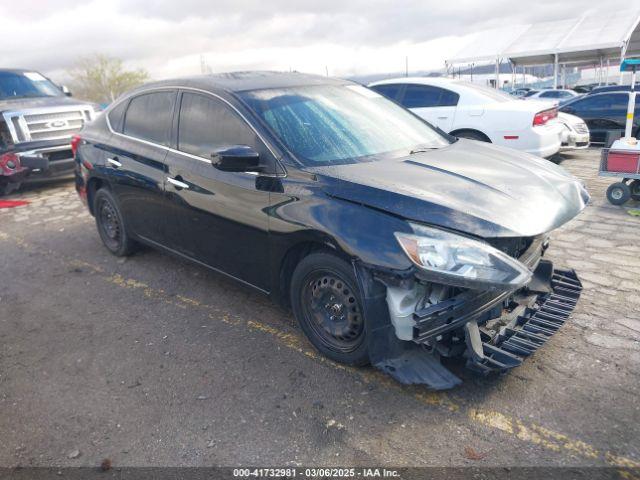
(220,217)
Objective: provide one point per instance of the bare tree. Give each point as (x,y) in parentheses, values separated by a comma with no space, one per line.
(102,79)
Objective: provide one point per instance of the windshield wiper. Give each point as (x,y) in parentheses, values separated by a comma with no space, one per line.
(421,149)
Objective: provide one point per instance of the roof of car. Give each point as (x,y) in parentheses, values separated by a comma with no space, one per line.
(243,81)
(14,70)
(418,80)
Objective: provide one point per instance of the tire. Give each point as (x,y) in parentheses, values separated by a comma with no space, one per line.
(7,188)
(634,186)
(326,301)
(471,135)
(111,225)
(618,193)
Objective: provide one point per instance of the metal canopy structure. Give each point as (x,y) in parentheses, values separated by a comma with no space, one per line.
(593,37)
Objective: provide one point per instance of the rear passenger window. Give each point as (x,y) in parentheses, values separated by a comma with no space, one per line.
(389,91)
(207,124)
(116,116)
(149,117)
(449,98)
(419,96)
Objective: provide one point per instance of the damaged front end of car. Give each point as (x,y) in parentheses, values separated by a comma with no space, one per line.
(493,303)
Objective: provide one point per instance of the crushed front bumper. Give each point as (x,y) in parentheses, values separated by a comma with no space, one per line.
(495,331)
(526,331)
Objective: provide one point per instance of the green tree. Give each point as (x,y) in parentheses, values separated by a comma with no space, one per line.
(102,79)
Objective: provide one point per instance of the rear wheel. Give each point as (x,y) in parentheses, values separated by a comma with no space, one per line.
(634,186)
(618,193)
(326,302)
(111,226)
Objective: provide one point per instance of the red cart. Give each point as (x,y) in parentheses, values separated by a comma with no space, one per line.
(625,164)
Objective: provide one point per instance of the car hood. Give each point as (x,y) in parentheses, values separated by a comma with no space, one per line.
(469,186)
(38,102)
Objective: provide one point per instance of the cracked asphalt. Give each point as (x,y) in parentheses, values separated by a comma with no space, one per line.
(155,361)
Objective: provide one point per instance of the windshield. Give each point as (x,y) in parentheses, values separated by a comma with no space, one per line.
(328,124)
(26,85)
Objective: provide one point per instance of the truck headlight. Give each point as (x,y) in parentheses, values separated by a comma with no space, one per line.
(452,259)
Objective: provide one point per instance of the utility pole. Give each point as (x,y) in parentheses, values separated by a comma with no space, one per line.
(406,66)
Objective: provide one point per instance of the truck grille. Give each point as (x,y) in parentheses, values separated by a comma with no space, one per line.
(55,123)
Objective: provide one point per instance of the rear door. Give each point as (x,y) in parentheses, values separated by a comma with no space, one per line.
(218,218)
(434,104)
(135,161)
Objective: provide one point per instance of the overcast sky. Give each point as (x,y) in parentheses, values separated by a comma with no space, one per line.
(348,37)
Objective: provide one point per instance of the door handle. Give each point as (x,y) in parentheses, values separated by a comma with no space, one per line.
(177,183)
(442,118)
(114,162)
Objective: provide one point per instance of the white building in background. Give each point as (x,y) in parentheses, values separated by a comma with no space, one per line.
(505,79)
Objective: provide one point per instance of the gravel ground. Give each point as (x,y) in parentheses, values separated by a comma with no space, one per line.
(154,361)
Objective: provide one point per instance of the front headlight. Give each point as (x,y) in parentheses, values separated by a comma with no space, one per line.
(452,259)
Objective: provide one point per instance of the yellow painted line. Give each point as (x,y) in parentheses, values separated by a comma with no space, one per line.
(524,431)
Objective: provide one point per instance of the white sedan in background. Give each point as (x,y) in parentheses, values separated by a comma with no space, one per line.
(575,134)
(560,95)
(471,111)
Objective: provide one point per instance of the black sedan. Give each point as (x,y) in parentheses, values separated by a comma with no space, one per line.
(604,113)
(393,243)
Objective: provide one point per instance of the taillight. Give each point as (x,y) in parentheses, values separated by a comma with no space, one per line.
(544,116)
(9,163)
(75,141)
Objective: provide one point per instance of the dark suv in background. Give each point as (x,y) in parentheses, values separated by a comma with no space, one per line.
(37,121)
(604,113)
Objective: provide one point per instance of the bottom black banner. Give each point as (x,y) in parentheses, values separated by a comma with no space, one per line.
(106,472)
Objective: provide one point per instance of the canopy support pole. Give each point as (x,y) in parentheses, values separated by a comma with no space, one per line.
(497,72)
(601,68)
(621,60)
(555,70)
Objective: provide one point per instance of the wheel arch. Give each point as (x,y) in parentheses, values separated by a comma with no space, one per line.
(475,131)
(93,185)
(294,254)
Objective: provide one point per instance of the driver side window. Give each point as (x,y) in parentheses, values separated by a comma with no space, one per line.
(207,124)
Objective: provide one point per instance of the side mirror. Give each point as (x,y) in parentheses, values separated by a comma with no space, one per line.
(65,90)
(568,110)
(237,158)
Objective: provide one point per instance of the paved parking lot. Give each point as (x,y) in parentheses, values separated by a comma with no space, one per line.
(154,361)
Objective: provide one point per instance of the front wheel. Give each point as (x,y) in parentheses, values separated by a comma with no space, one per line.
(7,188)
(326,301)
(110,224)
(618,193)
